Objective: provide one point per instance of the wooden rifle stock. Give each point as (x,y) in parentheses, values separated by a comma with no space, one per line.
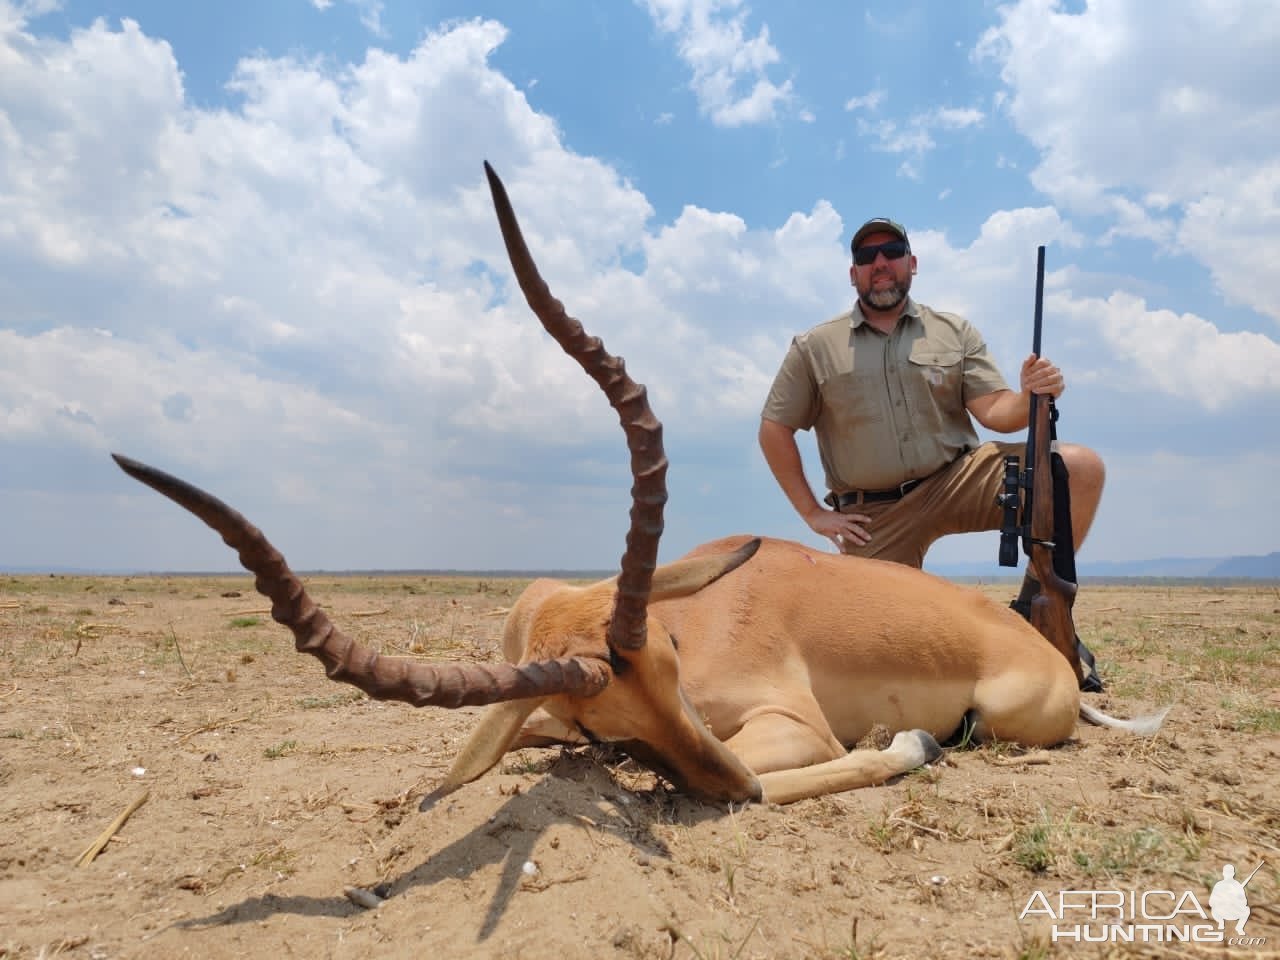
(1051,607)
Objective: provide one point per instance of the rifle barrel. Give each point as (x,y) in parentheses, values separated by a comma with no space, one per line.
(1028,474)
(1039,324)
(1255,870)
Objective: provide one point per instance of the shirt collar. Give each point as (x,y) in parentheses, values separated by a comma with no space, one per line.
(857,318)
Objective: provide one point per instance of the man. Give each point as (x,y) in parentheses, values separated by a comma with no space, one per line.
(889,389)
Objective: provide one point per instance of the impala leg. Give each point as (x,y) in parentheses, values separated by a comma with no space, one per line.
(780,739)
(544,730)
(857,768)
(1033,700)
(794,759)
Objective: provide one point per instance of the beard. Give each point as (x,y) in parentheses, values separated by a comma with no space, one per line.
(887,298)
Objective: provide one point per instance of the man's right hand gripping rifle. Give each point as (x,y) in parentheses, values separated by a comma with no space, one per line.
(1045,528)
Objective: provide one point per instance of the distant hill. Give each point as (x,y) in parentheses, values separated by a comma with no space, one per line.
(1191,568)
(495,574)
(1266,567)
(1262,568)
(1163,568)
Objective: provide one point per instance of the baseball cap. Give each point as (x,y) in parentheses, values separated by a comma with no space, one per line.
(878,225)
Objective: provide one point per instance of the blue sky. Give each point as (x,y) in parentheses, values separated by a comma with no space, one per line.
(249,243)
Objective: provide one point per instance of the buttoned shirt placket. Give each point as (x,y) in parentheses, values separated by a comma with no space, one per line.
(899,403)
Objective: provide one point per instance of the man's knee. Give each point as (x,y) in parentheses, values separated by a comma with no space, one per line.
(1083,464)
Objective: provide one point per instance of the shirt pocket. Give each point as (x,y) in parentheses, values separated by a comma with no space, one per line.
(940,371)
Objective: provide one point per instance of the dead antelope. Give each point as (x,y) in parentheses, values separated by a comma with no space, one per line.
(779,668)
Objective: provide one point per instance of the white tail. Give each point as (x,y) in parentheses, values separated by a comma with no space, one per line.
(1146,726)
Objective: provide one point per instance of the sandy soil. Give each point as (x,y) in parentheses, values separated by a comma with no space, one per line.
(270,790)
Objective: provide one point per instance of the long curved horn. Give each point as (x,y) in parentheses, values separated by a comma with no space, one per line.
(383,678)
(627,628)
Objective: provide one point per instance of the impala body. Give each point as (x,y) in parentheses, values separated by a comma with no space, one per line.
(844,646)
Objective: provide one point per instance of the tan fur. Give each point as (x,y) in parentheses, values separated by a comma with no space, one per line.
(785,664)
(846,643)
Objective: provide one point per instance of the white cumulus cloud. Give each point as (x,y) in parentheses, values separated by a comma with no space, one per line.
(1161,117)
(730,67)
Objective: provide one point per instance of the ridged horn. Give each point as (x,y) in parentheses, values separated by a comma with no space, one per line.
(627,630)
(383,678)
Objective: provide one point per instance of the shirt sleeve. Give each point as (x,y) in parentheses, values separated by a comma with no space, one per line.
(794,399)
(981,375)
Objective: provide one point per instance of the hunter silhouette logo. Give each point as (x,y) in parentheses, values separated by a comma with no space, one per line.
(1228,900)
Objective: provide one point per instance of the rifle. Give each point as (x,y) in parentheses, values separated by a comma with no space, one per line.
(1045,527)
(1250,876)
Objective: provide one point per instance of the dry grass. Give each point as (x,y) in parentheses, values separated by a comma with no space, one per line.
(273,791)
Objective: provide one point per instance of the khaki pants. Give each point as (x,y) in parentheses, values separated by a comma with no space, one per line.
(959,498)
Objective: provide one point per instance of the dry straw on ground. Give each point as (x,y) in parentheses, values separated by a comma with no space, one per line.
(274,791)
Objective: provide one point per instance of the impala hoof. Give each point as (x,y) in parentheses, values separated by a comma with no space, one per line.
(918,746)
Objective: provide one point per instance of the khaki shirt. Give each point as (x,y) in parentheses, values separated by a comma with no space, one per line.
(885,408)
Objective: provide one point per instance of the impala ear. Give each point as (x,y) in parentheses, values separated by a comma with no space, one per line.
(683,577)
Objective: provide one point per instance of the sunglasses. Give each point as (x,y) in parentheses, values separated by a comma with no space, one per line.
(893,250)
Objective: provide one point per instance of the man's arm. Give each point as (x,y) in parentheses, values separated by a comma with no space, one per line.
(782,453)
(1005,411)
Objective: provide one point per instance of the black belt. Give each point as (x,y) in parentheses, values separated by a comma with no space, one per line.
(855,497)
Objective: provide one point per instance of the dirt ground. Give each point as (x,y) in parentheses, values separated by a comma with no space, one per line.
(270,790)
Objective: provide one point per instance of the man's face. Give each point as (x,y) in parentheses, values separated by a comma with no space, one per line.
(882,284)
